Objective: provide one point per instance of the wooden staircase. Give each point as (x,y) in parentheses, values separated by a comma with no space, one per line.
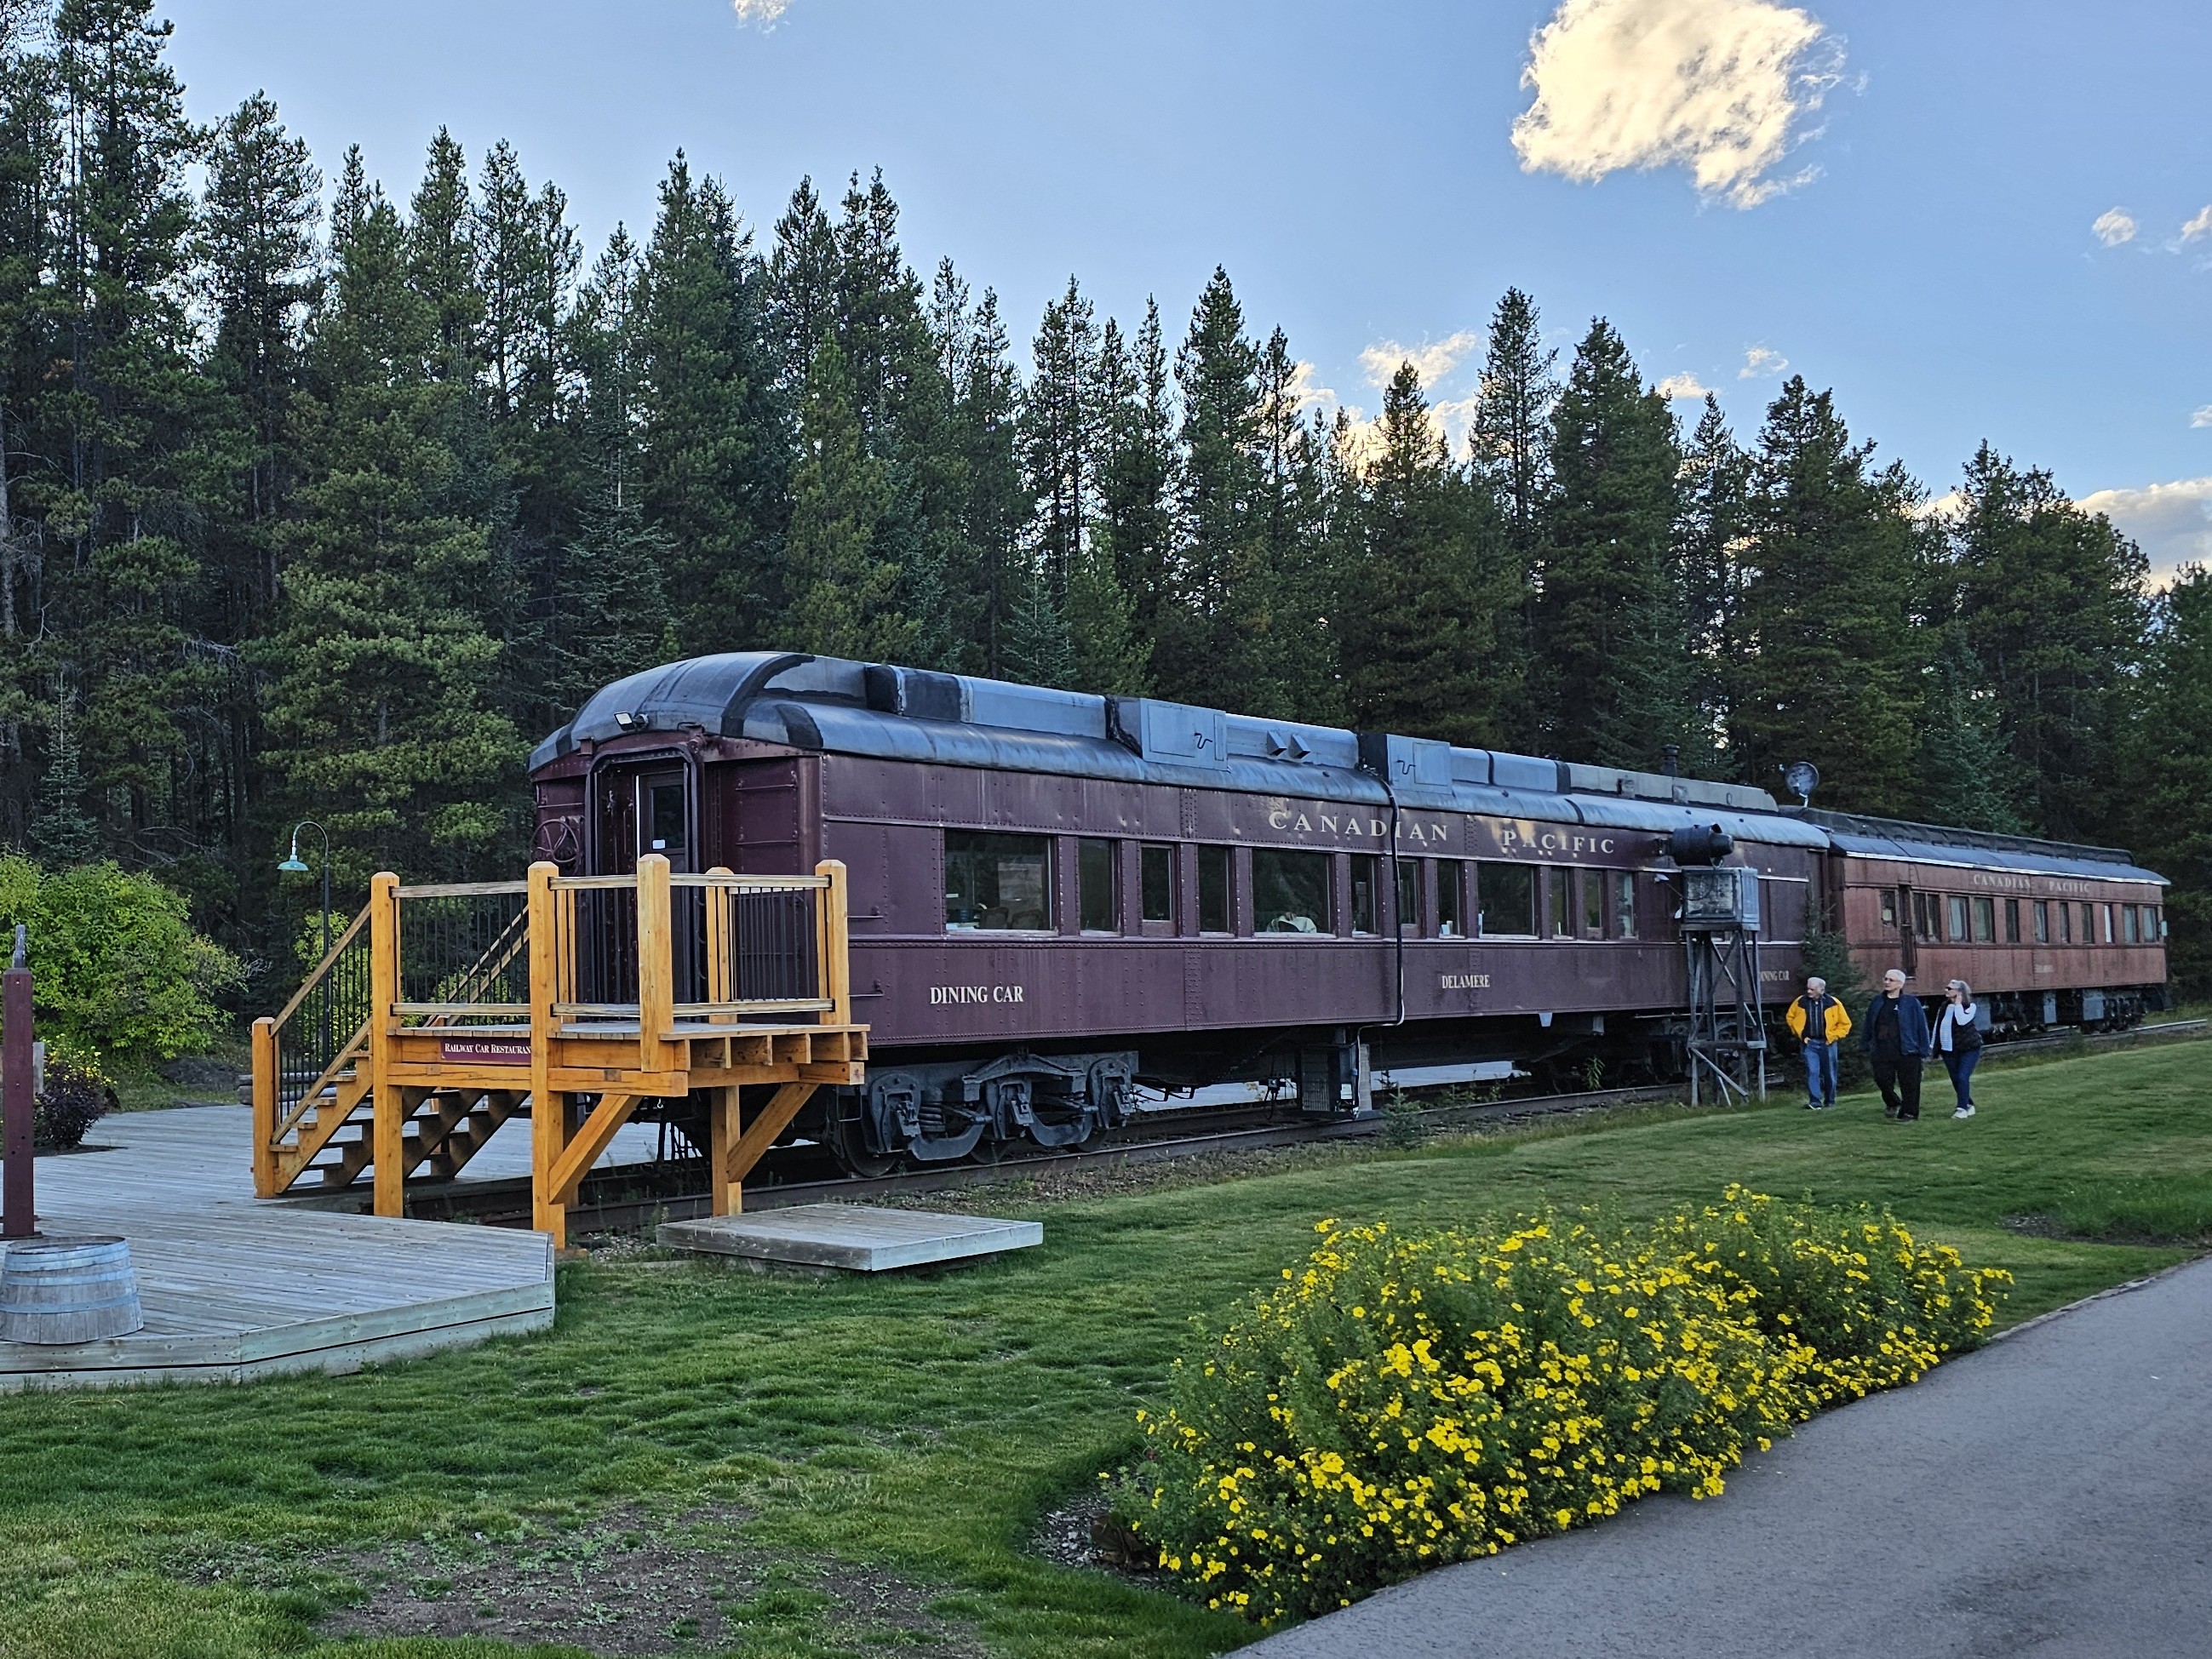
(466,1007)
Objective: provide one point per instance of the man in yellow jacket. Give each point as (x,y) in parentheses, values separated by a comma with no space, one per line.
(1820,1022)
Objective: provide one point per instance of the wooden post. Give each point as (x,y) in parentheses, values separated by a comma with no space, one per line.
(718,958)
(388,1112)
(723,1128)
(265,1107)
(656,964)
(835,954)
(16,1065)
(548,1113)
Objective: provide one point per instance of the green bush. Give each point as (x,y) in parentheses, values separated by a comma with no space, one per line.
(118,966)
(1403,1401)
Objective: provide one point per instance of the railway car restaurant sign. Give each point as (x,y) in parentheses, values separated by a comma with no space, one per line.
(482,1051)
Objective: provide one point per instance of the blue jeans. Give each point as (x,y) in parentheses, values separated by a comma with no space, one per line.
(1961,1068)
(1821,1073)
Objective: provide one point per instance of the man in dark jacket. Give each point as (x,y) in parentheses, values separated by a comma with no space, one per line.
(1894,1033)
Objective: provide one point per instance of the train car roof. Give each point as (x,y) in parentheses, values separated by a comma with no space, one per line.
(884,710)
(1860,836)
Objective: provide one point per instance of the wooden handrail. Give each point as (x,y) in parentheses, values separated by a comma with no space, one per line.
(461,890)
(737,884)
(355,1046)
(321,968)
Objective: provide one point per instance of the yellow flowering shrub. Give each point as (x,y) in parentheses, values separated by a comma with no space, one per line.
(1404,1400)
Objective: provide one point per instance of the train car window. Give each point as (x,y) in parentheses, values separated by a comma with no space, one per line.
(2132,927)
(2065,922)
(1096,912)
(2155,920)
(1505,897)
(1563,902)
(1289,891)
(997,883)
(1155,872)
(1451,923)
(1363,906)
(1957,907)
(2042,922)
(1888,908)
(1623,904)
(664,818)
(2089,925)
(1985,921)
(1927,914)
(1409,896)
(2012,922)
(2108,924)
(1213,890)
(1595,882)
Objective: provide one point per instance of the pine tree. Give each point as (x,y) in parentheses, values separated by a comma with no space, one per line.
(1833,589)
(1198,654)
(1287,601)
(1612,665)
(802,289)
(1966,774)
(969,630)
(1137,475)
(714,458)
(2171,772)
(2051,600)
(382,680)
(123,404)
(842,591)
(1509,442)
(1421,585)
(1060,421)
(63,834)
(441,257)
(1713,497)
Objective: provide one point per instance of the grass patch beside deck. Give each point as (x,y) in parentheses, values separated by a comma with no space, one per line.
(853,1463)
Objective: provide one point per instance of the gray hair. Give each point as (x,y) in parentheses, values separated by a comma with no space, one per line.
(1962,988)
(1897,974)
(1814,982)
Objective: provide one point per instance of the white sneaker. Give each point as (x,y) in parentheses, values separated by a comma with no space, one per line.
(1964,1112)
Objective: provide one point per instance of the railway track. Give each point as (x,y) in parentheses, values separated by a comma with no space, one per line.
(614,1201)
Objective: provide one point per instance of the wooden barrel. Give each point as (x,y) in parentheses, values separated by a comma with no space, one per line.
(68,1289)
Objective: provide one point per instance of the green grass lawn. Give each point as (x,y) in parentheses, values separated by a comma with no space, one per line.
(815,1443)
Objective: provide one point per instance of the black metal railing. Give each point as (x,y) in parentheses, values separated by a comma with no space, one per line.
(595,939)
(316,1029)
(463,952)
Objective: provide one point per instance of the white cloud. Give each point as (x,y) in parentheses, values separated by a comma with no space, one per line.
(1715,86)
(1760,362)
(1307,391)
(1677,388)
(1431,361)
(763,12)
(2199,227)
(2173,521)
(2201,417)
(2113,226)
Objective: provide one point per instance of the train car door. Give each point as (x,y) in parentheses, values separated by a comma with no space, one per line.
(644,810)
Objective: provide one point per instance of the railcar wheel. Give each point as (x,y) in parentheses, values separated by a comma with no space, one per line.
(847,1140)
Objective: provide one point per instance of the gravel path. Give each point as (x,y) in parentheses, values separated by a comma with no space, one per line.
(2049,1496)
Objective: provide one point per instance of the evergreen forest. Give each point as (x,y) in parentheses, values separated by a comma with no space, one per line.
(325,495)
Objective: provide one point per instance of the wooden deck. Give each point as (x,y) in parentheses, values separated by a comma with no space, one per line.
(235,1289)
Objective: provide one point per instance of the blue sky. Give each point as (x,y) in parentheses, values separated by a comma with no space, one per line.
(1968,218)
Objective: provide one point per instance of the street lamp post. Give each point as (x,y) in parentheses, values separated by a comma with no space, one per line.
(293,865)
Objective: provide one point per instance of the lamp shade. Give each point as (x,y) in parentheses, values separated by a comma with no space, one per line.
(294,866)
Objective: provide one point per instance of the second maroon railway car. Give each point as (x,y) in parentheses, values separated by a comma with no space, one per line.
(1060,901)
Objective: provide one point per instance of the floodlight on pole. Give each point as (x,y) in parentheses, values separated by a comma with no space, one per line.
(293,865)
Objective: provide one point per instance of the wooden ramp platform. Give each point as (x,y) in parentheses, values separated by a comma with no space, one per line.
(235,1290)
(850,1237)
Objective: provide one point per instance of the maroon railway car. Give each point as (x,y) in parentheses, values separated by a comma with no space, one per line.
(1065,906)
(2048,933)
